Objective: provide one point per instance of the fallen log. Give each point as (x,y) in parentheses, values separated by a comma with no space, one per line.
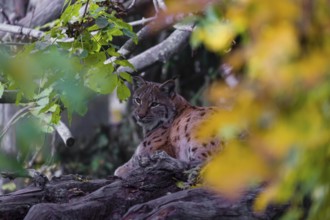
(150,192)
(58,190)
(199,203)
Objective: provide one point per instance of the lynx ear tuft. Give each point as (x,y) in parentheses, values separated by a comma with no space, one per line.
(138,82)
(168,87)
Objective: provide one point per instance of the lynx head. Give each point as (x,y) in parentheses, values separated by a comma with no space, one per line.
(153,103)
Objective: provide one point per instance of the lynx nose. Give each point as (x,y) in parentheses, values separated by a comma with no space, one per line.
(141,116)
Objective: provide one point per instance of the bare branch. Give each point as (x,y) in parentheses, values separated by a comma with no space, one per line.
(143,21)
(159,4)
(85,11)
(137,4)
(131,5)
(155,3)
(21,30)
(65,134)
(228,75)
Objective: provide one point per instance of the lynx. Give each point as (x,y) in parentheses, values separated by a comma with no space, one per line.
(168,121)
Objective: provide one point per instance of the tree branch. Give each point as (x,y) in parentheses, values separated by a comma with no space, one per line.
(21,30)
(142,21)
(45,11)
(65,134)
(161,52)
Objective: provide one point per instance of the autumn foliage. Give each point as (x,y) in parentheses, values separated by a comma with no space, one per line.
(280,52)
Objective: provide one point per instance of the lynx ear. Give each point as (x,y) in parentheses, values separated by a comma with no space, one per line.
(168,87)
(138,82)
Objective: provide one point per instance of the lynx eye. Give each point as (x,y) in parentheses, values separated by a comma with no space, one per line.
(154,104)
(137,101)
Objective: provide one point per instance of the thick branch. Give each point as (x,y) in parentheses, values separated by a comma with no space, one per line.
(45,11)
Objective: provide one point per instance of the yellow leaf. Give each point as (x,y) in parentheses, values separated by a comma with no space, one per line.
(217,36)
(265,197)
(234,169)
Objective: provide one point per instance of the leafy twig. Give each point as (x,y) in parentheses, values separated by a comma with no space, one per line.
(129,45)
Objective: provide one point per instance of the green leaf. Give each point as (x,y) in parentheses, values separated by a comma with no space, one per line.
(96,46)
(122,25)
(94,59)
(195,40)
(125,63)
(66,3)
(93,28)
(2,89)
(131,34)
(126,76)
(65,45)
(44,93)
(11,186)
(114,32)
(46,108)
(101,22)
(9,163)
(123,92)
(112,52)
(180,184)
(56,116)
(18,97)
(101,79)
(43,101)
(71,11)
(81,53)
